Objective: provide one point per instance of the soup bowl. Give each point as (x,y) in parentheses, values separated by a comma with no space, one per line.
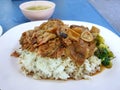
(37,10)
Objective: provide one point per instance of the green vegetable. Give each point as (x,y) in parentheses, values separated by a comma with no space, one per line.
(106,61)
(103,52)
(99,40)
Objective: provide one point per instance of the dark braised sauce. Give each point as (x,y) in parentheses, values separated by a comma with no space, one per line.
(101,69)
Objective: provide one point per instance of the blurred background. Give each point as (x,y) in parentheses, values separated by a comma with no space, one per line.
(102,12)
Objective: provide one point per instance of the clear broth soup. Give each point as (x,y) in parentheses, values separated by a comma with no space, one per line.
(38,7)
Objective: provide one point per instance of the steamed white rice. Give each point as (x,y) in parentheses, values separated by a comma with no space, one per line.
(47,68)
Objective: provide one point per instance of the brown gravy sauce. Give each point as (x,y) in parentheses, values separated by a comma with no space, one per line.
(101,69)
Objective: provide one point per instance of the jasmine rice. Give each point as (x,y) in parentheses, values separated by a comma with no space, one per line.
(43,68)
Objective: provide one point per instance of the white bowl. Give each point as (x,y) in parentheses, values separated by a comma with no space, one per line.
(1,30)
(37,14)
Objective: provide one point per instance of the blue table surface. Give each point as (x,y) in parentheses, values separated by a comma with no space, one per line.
(77,10)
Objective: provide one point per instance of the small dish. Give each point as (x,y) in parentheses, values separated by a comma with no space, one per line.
(1,30)
(37,10)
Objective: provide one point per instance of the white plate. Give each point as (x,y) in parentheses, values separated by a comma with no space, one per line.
(12,79)
(1,30)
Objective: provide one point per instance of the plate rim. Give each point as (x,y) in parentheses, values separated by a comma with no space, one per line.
(63,21)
